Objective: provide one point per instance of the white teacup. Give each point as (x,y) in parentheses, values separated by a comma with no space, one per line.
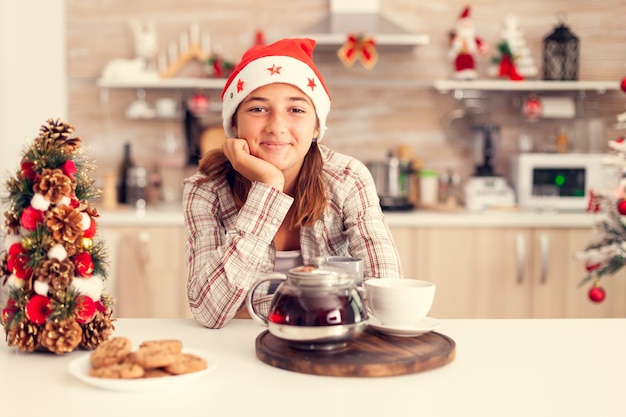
(399,302)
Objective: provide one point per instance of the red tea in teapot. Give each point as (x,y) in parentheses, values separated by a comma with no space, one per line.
(316,309)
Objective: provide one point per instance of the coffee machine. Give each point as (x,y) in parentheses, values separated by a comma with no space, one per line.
(485,137)
(486,190)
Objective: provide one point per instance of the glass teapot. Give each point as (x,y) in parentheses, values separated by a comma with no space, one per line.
(311,305)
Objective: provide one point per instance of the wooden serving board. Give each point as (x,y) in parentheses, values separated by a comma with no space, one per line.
(371,354)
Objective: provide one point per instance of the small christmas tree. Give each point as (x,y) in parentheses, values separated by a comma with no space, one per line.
(53,267)
(515,61)
(605,254)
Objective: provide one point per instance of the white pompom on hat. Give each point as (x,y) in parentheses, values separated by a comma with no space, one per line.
(287,61)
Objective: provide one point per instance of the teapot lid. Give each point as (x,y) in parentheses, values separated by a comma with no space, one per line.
(316,275)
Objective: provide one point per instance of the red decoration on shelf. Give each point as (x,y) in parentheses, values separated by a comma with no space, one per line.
(621,206)
(507,69)
(259,38)
(623,84)
(361,48)
(532,107)
(198,103)
(597,294)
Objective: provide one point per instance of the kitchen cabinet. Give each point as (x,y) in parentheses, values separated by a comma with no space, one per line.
(147,270)
(508,272)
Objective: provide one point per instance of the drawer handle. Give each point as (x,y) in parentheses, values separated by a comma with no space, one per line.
(544,247)
(520,249)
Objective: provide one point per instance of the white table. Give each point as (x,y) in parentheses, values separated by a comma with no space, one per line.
(502,368)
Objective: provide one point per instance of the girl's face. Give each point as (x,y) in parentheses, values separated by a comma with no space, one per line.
(279,123)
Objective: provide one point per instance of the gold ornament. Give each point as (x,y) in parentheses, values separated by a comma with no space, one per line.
(28,243)
(86,243)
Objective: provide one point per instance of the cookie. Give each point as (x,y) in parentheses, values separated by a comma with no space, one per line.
(185,363)
(172,345)
(155,373)
(118,371)
(130,358)
(111,352)
(150,357)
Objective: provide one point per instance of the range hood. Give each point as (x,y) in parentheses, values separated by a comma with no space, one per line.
(361,17)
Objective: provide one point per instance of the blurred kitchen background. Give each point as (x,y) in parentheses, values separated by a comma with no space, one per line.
(53,60)
(76,60)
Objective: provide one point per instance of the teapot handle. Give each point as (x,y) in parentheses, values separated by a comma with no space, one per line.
(256,316)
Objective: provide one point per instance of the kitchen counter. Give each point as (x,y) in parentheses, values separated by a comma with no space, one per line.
(173,216)
(573,368)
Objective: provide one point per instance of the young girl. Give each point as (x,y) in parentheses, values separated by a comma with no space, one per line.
(273,198)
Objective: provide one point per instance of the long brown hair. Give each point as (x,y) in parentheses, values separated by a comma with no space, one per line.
(310,199)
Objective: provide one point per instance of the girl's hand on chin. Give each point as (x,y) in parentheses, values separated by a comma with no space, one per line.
(251,167)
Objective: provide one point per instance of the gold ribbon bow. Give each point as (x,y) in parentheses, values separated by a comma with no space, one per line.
(358,47)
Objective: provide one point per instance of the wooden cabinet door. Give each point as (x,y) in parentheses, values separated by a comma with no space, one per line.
(556,273)
(479,272)
(404,240)
(147,271)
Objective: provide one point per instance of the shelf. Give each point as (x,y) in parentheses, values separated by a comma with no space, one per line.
(445,86)
(179,83)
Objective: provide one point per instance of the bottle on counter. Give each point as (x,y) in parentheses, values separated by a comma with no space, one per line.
(562,141)
(123,178)
(429,187)
(405,153)
(136,187)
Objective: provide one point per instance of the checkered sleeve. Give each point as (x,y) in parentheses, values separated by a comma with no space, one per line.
(226,256)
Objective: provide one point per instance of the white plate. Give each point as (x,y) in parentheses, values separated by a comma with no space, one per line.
(79,368)
(426,325)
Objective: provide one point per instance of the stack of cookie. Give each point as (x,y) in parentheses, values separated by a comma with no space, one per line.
(115,358)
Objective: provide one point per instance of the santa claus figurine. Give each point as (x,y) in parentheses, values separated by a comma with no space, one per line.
(464,46)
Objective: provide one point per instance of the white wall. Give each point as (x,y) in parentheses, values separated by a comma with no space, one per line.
(33,76)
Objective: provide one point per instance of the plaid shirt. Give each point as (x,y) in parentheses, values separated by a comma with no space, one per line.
(228,249)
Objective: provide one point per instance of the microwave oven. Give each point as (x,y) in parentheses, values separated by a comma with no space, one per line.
(565,178)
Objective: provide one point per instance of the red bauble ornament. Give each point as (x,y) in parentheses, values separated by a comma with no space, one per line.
(532,107)
(621,206)
(38,309)
(198,103)
(85,309)
(591,266)
(597,294)
(623,84)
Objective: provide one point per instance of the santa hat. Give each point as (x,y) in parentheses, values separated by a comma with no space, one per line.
(287,61)
(465,13)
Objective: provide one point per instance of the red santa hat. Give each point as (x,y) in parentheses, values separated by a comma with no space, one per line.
(287,61)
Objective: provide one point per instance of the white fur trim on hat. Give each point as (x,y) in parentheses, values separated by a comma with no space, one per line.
(270,70)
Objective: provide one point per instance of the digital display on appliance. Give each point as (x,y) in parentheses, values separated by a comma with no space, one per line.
(570,182)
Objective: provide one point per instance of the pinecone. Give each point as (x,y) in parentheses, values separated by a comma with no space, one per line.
(58,274)
(65,224)
(12,222)
(61,336)
(54,185)
(97,330)
(24,335)
(59,133)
